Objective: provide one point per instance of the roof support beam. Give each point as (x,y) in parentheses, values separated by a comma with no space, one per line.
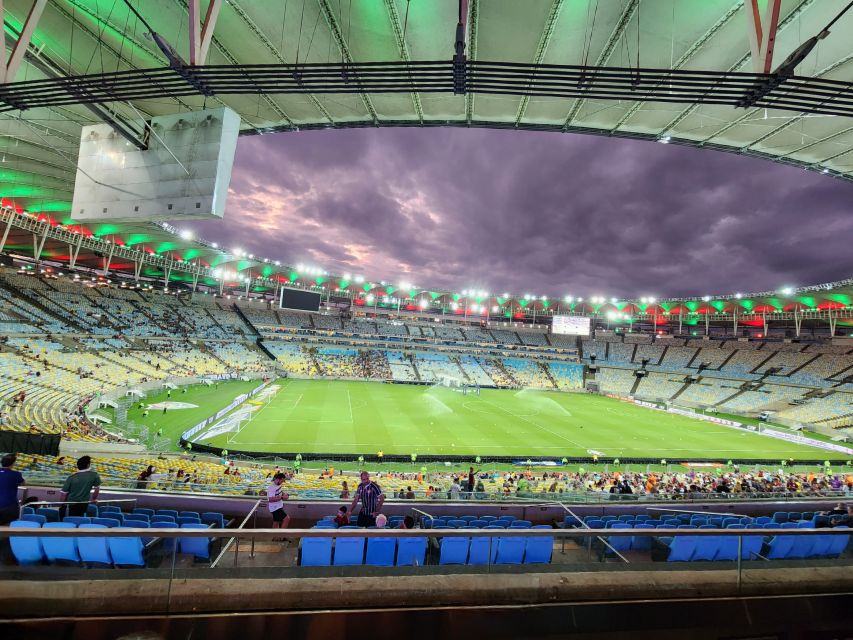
(473,24)
(399,36)
(6,234)
(604,56)
(544,41)
(201,35)
(9,68)
(762,33)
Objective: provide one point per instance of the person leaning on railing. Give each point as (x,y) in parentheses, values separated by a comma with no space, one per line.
(10,480)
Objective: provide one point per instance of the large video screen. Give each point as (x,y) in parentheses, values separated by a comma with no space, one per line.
(570,325)
(300,299)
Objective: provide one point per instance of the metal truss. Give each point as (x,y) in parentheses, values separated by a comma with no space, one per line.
(773,91)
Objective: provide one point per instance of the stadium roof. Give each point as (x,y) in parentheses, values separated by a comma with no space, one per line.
(79,37)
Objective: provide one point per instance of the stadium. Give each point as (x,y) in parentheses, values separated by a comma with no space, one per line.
(546,461)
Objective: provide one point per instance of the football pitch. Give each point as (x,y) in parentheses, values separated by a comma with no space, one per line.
(363,418)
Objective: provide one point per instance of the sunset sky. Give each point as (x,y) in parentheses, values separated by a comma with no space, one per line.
(537,213)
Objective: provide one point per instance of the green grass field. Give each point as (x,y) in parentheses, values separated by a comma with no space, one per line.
(335,417)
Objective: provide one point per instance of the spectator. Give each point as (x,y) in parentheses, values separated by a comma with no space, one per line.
(10,480)
(275,501)
(410,495)
(407,523)
(342,519)
(344,490)
(371,497)
(381,521)
(845,520)
(453,494)
(145,477)
(78,487)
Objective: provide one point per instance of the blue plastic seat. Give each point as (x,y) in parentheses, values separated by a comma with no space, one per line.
(570,522)
(728,521)
(595,523)
(626,518)
(727,547)
(620,543)
(34,518)
(27,510)
(717,521)
(608,518)
(794,516)
(107,522)
(51,514)
(788,525)
(135,521)
(642,518)
(77,520)
(706,548)
(198,547)
(137,516)
(507,518)
(127,551)
(316,552)
(108,508)
(681,548)
(763,520)
(167,512)
(411,551)
(349,552)
(479,551)
(839,543)
(780,516)
(457,523)
(182,520)
(146,512)
(26,550)
(520,524)
(821,546)
(802,547)
(538,550)
(380,552)
(509,550)
(64,548)
(641,543)
(772,525)
(94,550)
(467,518)
(190,514)
(480,524)
(214,518)
(454,550)
(156,520)
(92,510)
(489,518)
(779,547)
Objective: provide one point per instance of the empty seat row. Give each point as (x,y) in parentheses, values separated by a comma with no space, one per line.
(380,551)
(503,550)
(779,547)
(115,551)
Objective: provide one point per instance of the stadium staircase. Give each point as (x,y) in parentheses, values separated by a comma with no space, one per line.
(412,361)
(683,388)
(463,374)
(498,363)
(34,301)
(547,370)
(805,364)
(690,364)
(762,363)
(259,342)
(250,325)
(726,360)
(746,386)
(635,386)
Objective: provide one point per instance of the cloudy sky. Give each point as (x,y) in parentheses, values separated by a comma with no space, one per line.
(536,213)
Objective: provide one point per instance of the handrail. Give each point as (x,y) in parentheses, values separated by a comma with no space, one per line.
(240,527)
(269,534)
(586,526)
(698,513)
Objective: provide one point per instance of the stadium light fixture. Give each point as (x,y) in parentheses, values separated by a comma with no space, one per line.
(215,245)
(665,139)
(277,263)
(359,279)
(787,291)
(494,308)
(454,306)
(186,234)
(738,296)
(652,300)
(369,298)
(347,277)
(404,286)
(423,303)
(568,299)
(506,295)
(825,171)
(706,298)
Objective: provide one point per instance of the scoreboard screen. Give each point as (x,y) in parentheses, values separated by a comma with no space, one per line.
(570,325)
(300,300)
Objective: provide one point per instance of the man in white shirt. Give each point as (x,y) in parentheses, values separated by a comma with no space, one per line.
(275,501)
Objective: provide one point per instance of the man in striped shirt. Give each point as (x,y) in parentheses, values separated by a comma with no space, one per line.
(372,499)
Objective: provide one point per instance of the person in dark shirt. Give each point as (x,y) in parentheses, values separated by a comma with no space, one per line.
(78,487)
(10,480)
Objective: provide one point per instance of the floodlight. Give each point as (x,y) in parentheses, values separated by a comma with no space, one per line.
(215,245)
(568,299)
(369,297)
(454,306)
(347,277)
(359,279)
(494,308)
(706,298)
(738,296)
(186,234)
(423,303)
(787,291)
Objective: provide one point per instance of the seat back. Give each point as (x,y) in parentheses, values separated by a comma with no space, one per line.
(479,551)
(521,524)
(144,517)
(802,547)
(127,551)
(780,547)
(156,520)
(316,552)
(34,518)
(167,512)
(107,522)
(198,547)
(94,550)
(681,548)
(538,550)
(214,518)
(509,550)
(190,514)
(454,550)
(706,548)
(839,543)
(108,509)
(26,550)
(411,551)
(77,520)
(146,512)
(51,514)
(727,547)
(641,543)
(457,523)
(64,548)
(380,552)
(620,543)
(349,552)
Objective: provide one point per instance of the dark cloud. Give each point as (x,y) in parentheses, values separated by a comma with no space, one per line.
(537,213)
